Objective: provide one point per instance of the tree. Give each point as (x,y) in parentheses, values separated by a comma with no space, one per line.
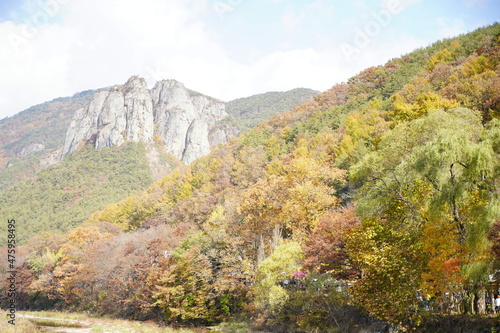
(325,250)
(438,173)
(462,168)
(71,263)
(206,279)
(494,238)
(475,86)
(362,133)
(443,55)
(285,259)
(391,261)
(403,111)
(288,203)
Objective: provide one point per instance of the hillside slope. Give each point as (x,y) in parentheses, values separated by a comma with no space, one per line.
(45,123)
(253,110)
(380,196)
(38,131)
(178,123)
(61,197)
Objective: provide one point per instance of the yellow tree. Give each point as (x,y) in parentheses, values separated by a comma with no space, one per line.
(288,203)
(285,259)
(445,256)
(205,279)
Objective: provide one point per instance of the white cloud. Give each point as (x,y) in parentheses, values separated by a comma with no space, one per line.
(290,20)
(299,68)
(397,6)
(30,68)
(93,43)
(101,43)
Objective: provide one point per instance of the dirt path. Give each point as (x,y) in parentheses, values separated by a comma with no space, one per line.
(67,330)
(86,325)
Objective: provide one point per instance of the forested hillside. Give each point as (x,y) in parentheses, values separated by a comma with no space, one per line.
(251,111)
(52,192)
(45,123)
(376,202)
(62,196)
(37,131)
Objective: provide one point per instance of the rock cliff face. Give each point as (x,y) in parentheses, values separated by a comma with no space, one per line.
(184,120)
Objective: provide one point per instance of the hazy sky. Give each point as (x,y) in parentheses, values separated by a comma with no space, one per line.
(223,48)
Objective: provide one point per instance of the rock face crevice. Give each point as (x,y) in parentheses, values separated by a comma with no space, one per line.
(185,121)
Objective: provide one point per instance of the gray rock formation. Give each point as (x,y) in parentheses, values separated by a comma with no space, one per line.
(30,149)
(84,123)
(184,120)
(50,159)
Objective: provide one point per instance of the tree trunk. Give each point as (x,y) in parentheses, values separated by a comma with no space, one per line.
(481,301)
(469,303)
(261,255)
(276,236)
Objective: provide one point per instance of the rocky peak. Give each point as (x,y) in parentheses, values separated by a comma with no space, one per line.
(134,82)
(184,120)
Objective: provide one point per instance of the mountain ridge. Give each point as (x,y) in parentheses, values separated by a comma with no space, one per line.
(31,153)
(19,136)
(373,202)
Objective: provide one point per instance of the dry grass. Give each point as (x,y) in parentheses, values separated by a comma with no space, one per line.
(59,315)
(44,322)
(22,325)
(83,320)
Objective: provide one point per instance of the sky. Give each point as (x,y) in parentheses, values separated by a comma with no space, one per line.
(222,48)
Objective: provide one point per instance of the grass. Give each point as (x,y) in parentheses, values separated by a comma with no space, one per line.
(22,325)
(107,324)
(55,323)
(102,324)
(81,320)
(59,315)
(122,326)
(232,327)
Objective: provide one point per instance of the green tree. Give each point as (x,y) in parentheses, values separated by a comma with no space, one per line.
(270,297)
(205,280)
(439,169)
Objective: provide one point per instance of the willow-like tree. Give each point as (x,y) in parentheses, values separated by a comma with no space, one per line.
(428,202)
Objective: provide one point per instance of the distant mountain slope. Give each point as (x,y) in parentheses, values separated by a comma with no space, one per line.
(63,195)
(42,128)
(35,132)
(253,110)
(168,121)
(44,124)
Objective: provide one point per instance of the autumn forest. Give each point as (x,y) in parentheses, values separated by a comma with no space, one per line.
(375,203)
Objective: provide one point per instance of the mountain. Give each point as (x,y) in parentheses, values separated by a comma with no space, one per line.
(376,202)
(65,154)
(45,123)
(253,110)
(33,137)
(62,196)
(184,121)
(179,115)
